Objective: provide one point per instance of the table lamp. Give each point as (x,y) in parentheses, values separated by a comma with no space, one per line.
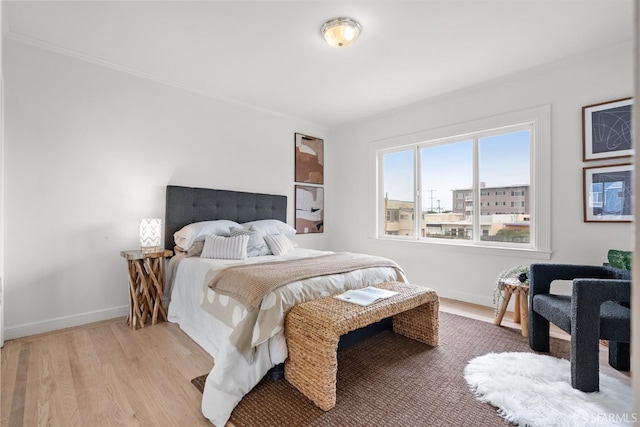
(150,234)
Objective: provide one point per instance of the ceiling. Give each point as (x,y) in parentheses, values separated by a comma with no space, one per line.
(271,56)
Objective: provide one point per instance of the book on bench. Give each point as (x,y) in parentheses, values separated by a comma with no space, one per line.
(365,296)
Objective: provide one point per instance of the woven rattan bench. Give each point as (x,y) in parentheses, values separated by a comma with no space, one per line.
(313,329)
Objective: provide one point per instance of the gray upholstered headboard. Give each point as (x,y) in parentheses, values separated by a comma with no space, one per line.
(186,205)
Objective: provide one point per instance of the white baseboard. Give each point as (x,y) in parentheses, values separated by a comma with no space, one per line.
(486,301)
(34,328)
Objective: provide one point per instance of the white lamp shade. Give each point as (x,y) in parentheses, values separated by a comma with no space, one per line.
(150,233)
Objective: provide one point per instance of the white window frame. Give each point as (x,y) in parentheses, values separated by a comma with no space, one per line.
(539,120)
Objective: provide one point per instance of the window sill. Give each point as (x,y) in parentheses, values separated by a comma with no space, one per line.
(469,248)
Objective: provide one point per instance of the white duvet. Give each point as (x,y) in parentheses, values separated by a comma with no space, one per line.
(233,376)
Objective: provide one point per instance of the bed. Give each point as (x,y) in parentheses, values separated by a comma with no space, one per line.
(244,334)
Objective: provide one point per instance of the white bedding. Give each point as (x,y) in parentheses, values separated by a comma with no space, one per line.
(232,376)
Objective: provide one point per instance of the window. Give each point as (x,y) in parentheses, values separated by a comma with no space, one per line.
(448,178)
(445,166)
(504,161)
(398,169)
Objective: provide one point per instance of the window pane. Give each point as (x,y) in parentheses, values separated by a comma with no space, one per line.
(398,193)
(504,163)
(447,177)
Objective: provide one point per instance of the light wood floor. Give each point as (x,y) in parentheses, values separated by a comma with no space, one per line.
(104,374)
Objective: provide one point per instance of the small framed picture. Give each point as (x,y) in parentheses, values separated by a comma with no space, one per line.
(309,209)
(309,159)
(608,193)
(606,130)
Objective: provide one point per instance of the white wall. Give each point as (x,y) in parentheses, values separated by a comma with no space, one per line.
(89,151)
(468,274)
(3,26)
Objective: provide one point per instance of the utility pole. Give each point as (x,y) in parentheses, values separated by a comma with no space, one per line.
(431,197)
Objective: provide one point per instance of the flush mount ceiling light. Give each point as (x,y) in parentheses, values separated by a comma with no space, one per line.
(341,32)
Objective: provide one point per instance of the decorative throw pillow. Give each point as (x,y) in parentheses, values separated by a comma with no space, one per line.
(220,247)
(194,250)
(256,246)
(278,243)
(197,231)
(271,226)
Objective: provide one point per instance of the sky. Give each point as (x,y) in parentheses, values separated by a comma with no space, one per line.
(503,160)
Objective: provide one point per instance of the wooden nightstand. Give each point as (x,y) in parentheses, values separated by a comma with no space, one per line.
(146,286)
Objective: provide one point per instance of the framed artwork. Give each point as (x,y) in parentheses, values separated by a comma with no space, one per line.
(606,130)
(309,159)
(309,209)
(607,193)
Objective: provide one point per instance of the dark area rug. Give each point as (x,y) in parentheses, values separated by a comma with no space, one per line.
(390,380)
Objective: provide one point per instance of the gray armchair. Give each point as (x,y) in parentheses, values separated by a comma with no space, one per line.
(598,308)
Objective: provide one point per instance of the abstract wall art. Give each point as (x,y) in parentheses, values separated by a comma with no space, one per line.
(309,209)
(309,159)
(608,193)
(606,130)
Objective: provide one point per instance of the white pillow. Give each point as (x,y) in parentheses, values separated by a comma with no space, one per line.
(256,245)
(220,247)
(278,243)
(194,250)
(271,226)
(197,231)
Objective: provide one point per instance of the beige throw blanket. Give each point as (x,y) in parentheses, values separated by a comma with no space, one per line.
(250,283)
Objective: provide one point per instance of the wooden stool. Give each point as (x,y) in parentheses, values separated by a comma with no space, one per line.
(521,303)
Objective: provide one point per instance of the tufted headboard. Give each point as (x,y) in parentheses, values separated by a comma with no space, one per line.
(186,205)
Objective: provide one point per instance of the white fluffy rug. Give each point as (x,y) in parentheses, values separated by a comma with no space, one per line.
(535,390)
